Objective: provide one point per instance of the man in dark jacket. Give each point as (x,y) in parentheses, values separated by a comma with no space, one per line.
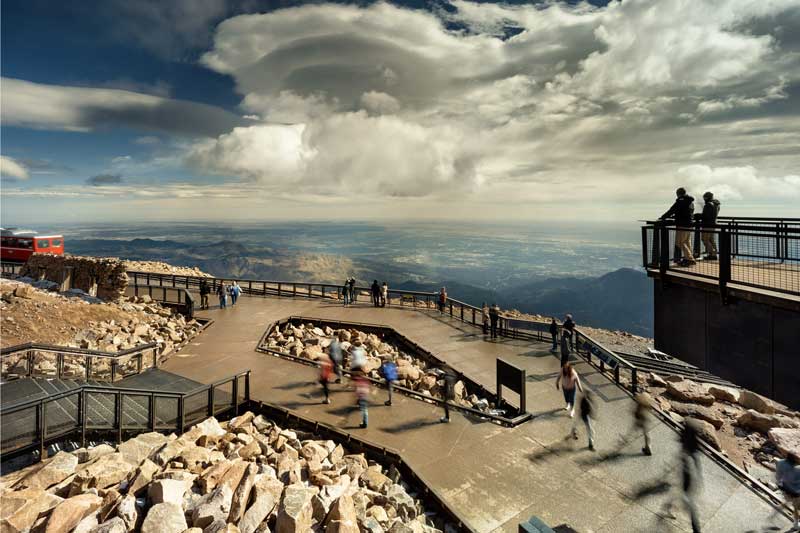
(554,334)
(682,211)
(376,294)
(568,330)
(204,292)
(709,220)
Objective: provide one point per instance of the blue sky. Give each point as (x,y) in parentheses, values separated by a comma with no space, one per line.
(215,109)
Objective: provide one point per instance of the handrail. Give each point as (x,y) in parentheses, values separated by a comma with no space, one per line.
(79,421)
(74,350)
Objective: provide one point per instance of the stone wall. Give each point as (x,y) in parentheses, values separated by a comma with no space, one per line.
(103,277)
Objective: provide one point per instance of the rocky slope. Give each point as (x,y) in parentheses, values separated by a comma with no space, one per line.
(160,267)
(248,475)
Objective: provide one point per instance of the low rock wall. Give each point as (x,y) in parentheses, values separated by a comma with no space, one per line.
(103,277)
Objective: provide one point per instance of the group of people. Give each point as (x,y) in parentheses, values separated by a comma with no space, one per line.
(223,291)
(682,212)
(380,293)
(491,319)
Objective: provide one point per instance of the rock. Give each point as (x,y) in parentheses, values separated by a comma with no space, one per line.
(705,431)
(241,496)
(459,390)
(408,372)
(397,496)
(212,475)
(195,458)
(24,291)
(114,525)
(374,479)
(144,474)
(786,440)
(241,421)
(21,509)
(724,394)
(655,380)
(217,506)
(71,511)
(342,518)
(137,449)
(54,471)
(756,421)
(168,491)
(689,391)
(87,524)
(697,411)
(106,471)
(370,525)
(127,512)
(756,402)
(164,518)
(313,451)
(267,494)
(85,455)
(295,513)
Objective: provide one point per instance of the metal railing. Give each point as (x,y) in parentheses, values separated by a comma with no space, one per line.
(33,424)
(177,298)
(10,268)
(65,362)
(758,256)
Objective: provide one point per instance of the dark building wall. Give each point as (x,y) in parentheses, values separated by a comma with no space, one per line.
(754,345)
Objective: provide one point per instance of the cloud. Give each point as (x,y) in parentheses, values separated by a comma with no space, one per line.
(147,140)
(12,169)
(104,179)
(480,98)
(57,107)
(739,183)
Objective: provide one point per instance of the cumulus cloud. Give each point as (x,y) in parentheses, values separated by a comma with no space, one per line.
(12,169)
(58,107)
(739,183)
(387,100)
(104,179)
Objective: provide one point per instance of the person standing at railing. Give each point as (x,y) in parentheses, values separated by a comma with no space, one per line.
(494,317)
(708,221)
(442,299)
(485,318)
(346,292)
(376,293)
(352,283)
(568,330)
(384,294)
(554,334)
(204,292)
(682,211)
(222,293)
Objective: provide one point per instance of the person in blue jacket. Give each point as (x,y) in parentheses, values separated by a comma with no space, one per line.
(389,371)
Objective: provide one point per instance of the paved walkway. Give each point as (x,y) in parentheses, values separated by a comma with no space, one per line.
(494,477)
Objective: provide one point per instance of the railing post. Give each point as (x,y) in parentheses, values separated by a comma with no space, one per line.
(724,263)
(60,365)
(173,280)
(696,241)
(235,395)
(451,307)
(181,414)
(616,374)
(118,416)
(88,365)
(644,248)
(211,400)
(139,358)
(663,256)
(82,417)
(462,313)
(152,412)
(309,290)
(264,288)
(634,380)
(113,370)
(41,423)
(247,386)
(279,290)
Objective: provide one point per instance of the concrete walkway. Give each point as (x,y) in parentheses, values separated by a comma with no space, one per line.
(492,476)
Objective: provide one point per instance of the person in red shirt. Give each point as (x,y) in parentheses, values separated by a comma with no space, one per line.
(325,371)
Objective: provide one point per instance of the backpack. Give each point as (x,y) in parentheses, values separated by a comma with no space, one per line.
(390,371)
(716,204)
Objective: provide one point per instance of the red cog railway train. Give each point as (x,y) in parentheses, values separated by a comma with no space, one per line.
(18,245)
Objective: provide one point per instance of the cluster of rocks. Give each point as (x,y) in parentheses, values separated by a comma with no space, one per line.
(759,425)
(103,277)
(167,328)
(159,267)
(248,475)
(310,342)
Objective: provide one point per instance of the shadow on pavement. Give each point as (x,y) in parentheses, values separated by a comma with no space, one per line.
(411,425)
(292,386)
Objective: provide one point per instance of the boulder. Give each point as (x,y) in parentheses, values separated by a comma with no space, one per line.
(689,391)
(168,491)
(786,440)
(398,498)
(756,421)
(114,525)
(24,291)
(241,496)
(87,524)
(211,475)
(21,509)
(408,372)
(137,449)
(756,402)
(164,518)
(724,394)
(342,518)
(267,494)
(697,411)
(106,471)
(654,380)
(126,510)
(459,390)
(295,513)
(71,511)
(241,421)
(56,470)
(142,477)
(705,431)
(220,526)
(85,455)
(374,479)
(195,458)
(217,505)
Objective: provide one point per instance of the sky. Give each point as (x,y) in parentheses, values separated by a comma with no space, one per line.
(241,110)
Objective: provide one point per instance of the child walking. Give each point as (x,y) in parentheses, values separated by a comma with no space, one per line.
(569,381)
(325,371)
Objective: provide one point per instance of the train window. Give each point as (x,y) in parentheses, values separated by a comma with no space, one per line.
(9,242)
(42,243)
(25,243)
(56,243)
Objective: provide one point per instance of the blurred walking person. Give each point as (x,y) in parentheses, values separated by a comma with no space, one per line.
(325,371)
(787,476)
(682,211)
(442,299)
(335,350)
(222,293)
(449,395)
(204,292)
(690,471)
(569,381)
(554,335)
(352,283)
(389,371)
(384,294)
(642,418)
(235,292)
(565,351)
(587,413)
(346,292)
(358,357)
(494,317)
(362,395)
(485,318)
